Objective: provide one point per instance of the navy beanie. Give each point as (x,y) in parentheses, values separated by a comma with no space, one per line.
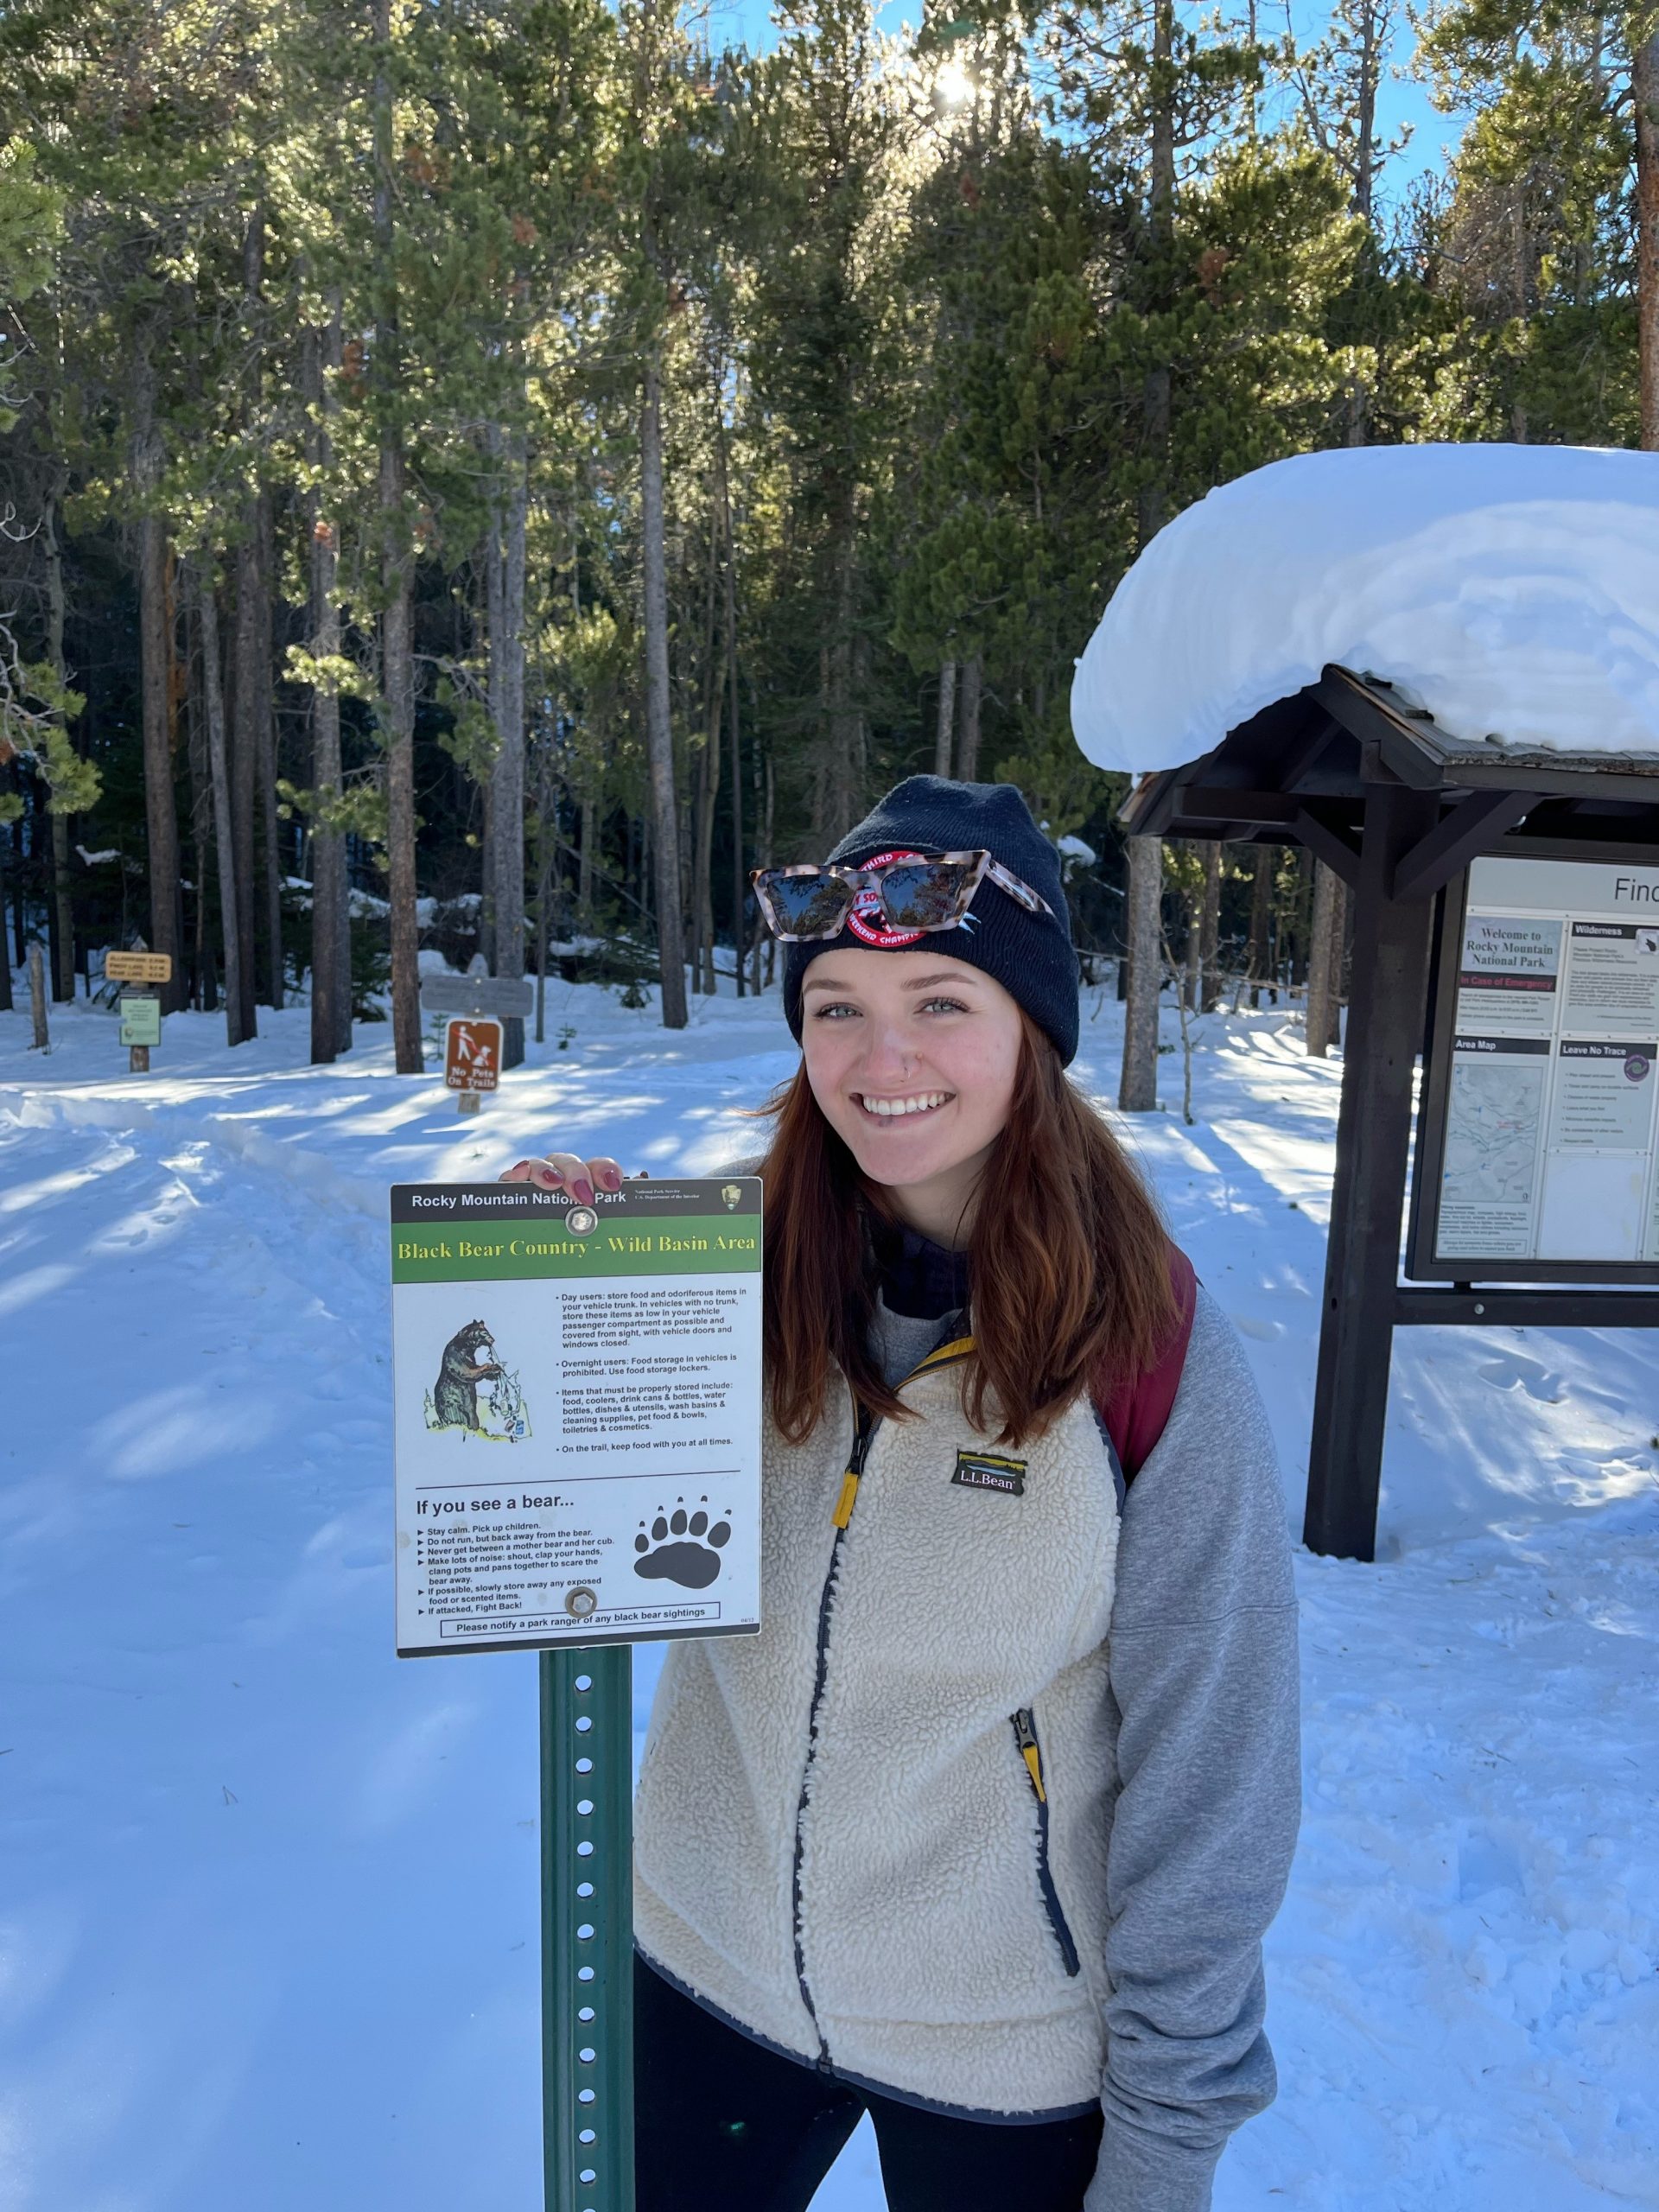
(1030,955)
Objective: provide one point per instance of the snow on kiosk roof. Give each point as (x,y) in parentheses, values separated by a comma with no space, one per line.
(1508,593)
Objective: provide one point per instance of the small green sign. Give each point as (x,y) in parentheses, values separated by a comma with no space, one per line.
(140,1018)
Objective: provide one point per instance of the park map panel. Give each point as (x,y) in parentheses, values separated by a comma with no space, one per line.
(1548,1152)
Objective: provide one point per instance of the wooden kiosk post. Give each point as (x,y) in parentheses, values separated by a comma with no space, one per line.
(1400,808)
(1385,1026)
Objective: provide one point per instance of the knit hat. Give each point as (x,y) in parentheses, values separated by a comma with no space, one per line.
(1030,955)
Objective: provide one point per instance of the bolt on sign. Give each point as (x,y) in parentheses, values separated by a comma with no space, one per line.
(472,1059)
(138,968)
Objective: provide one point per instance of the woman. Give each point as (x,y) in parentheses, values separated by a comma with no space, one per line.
(982,1833)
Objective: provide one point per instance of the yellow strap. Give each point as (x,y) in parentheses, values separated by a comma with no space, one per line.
(844,1503)
(958,1348)
(1034,1759)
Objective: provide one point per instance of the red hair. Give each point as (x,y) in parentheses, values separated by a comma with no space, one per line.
(1068,1261)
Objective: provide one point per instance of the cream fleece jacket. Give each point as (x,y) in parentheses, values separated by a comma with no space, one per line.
(841,1845)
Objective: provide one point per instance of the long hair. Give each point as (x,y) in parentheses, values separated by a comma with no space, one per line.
(1068,1263)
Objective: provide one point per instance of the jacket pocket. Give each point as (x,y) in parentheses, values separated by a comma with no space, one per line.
(1025,1737)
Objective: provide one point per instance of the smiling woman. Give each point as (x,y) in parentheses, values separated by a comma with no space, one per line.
(980,1833)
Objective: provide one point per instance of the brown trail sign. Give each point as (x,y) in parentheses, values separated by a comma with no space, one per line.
(472,1060)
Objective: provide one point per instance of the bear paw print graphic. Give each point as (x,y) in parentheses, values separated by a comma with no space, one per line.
(681,1548)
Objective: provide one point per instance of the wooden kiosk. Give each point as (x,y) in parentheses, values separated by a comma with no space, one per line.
(1400,809)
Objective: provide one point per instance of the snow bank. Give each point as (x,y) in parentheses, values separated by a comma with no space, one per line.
(1513,591)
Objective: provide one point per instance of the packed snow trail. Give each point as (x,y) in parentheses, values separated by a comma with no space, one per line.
(268,1933)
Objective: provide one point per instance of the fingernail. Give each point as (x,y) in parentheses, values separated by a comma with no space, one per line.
(613,1177)
(582,1190)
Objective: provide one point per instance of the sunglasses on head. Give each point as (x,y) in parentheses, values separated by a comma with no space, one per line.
(803,903)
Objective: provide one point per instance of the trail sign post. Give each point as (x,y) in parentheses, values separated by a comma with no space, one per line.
(140,1010)
(620,1503)
(43,1042)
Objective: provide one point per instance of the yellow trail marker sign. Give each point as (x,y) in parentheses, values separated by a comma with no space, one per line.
(139,967)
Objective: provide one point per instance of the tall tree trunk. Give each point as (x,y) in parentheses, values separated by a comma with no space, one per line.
(5,955)
(7,1001)
(1644,82)
(945,728)
(204,975)
(244,754)
(331,982)
(585,862)
(837,782)
(973,684)
(1324,960)
(659,729)
(739,884)
(265,765)
(708,790)
(1210,928)
(63,898)
(19,925)
(212,699)
(1137,1088)
(507,706)
(397,620)
(161,816)
(495,624)
(1155,393)
(1261,919)
(1302,932)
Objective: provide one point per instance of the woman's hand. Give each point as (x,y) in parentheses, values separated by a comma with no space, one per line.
(566,1171)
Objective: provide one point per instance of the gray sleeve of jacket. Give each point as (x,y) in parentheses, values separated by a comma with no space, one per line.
(1204,1670)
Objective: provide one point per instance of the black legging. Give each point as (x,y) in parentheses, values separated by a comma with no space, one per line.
(722,2125)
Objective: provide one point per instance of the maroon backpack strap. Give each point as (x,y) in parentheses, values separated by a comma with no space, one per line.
(1135,1411)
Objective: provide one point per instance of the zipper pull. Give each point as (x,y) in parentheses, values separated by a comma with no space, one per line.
(844,1503)
(1025,1736)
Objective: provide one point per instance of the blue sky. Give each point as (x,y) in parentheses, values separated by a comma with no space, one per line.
(1401,101)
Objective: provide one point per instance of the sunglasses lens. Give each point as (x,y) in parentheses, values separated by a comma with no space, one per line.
(807,906)
(920,894)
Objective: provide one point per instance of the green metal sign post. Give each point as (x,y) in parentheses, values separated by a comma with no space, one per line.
(586,1728)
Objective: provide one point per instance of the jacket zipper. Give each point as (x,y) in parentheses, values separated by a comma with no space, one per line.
(864,1429)
(1024,1735)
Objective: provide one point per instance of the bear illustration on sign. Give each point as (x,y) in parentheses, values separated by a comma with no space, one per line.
(452,1401)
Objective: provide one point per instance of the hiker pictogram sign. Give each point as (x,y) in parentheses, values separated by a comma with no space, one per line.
(472,1060)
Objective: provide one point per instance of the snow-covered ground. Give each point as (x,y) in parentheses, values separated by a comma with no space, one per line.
(267,1925)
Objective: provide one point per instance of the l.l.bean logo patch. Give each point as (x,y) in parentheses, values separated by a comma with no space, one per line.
(990,1470)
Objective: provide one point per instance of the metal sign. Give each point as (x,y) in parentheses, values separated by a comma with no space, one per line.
(472,1059)
(140,1018)
(1539,1155)
(503,997)
(138,968)
(577,1394)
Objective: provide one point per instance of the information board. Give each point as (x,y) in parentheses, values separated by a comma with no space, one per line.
(577,1413)
(1537,1141)
(140,1018)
